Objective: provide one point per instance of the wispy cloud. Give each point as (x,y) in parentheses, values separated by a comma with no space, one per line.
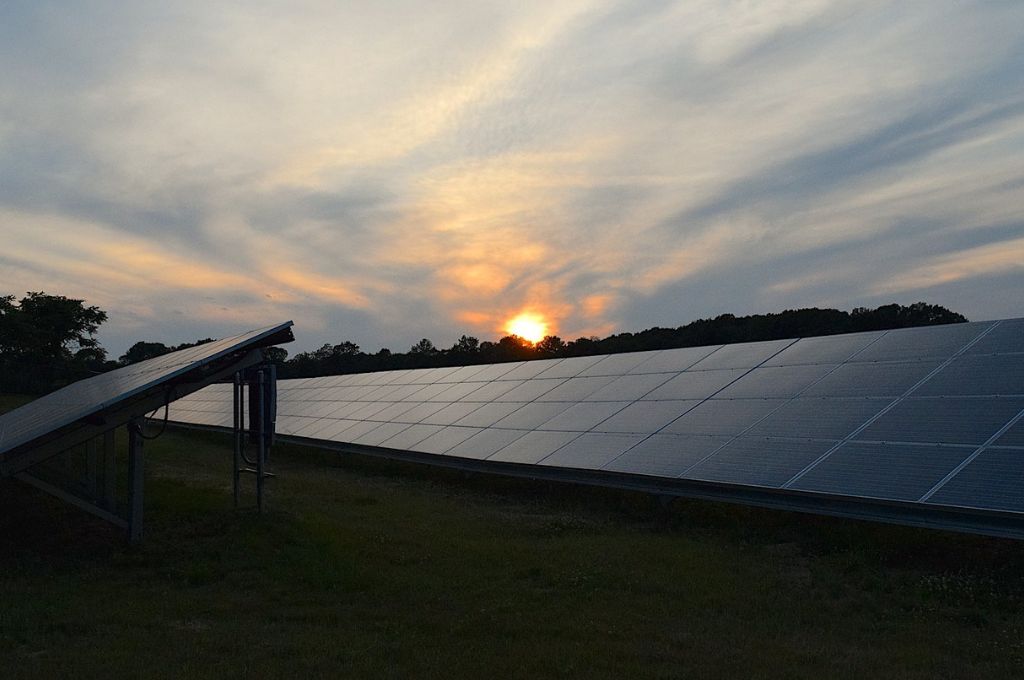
(394,171)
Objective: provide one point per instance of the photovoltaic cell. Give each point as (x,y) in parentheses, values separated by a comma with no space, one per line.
(493,372)
(742,355)
(533,447)
(695,384)
(776,381)
(759,461)
(488,414)
(530,390)
(569,368)
(467,373)
(531,416)
(530,369)
(429,392)
(872,379)
(673,360)
(582,417)
(381,433)
(818,417)
(485,443)
(442,440)
(902,472)
(646,417)
(451,413)
(665,455)
(334,431)
(992,480)
(1012,437)
(591,451)
(418,412)
(394,412)
(978,375)
(628,387)
(575,389)
(488,392)
(920,343)
(830,349)
(617,364)
(458,391)
(1004,338)
(410,437)
(956,420)
(723,416)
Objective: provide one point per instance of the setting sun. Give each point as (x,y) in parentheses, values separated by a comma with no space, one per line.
(529,327)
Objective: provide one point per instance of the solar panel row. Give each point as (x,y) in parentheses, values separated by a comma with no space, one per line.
(927,415)
(79,400)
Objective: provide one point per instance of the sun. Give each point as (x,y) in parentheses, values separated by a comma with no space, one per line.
(528,326)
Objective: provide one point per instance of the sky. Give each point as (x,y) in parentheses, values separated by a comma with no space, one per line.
(383,172)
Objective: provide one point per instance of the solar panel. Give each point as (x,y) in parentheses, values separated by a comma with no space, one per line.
(992,480)
(885,471)
(758,461)
(911,425)
(48,417)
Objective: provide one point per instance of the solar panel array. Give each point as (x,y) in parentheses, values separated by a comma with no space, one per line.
(931,415)
(86,397)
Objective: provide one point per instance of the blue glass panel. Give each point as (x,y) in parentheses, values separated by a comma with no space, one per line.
(889,471)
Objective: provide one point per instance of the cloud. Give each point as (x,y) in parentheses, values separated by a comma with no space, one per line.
(996,258)
(389,172)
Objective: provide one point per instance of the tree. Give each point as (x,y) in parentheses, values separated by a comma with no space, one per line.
(143,350)
(51,326)
(276,355)
(466,344)
(423,347)
(47,340)
(550,346)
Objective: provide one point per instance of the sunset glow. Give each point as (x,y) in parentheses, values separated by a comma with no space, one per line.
(529,327)
(487,161)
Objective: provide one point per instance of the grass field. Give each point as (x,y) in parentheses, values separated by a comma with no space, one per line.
(365,568)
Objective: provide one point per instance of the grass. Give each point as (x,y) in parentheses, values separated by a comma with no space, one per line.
(366,568)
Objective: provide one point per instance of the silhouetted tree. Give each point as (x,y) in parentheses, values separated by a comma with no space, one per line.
(550,346)
(276,355)
(424,347)
(143,350)
(47,340)
(725,328)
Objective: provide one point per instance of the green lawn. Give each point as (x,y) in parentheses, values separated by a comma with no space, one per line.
(366,568)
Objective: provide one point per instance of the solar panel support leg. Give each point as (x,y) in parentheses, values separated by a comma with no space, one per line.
(239,425)
(92,469)
(109,500)
(135,481)
(261,459)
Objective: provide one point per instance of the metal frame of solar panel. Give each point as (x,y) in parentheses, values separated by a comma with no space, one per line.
(87,413)
(921,426)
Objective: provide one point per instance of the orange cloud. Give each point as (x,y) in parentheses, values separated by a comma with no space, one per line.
(325,288)
(994,258)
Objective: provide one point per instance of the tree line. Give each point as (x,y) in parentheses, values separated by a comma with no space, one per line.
(47,341)
(346,357)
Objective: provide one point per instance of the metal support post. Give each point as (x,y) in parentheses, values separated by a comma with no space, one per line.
(135,480)
(92,470)
(261,460)
(109,472)
(239,423)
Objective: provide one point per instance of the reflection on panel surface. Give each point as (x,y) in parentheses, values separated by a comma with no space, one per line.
(924,416)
